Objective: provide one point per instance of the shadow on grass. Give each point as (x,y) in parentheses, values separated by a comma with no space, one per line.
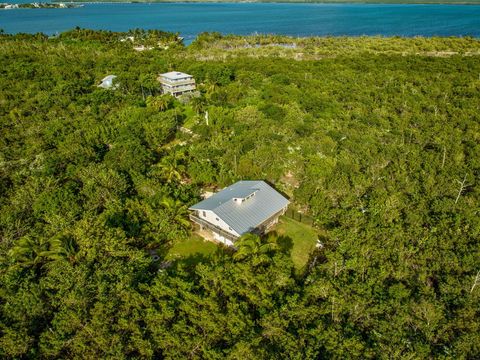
(317,257)
(192,260)
(285,243)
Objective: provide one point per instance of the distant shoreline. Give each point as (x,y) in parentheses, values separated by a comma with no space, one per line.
(386,2)
(40,5)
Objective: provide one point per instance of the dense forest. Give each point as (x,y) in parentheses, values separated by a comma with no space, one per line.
(376,139)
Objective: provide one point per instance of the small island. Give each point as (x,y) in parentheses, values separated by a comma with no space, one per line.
(36,5)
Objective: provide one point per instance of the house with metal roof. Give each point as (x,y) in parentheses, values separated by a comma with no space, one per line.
(177,83)
(107,82)
(244,207)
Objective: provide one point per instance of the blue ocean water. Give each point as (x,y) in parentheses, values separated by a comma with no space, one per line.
(189,19)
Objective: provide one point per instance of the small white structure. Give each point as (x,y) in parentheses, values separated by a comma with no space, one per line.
(107,82)
(142,48)
(177,83)
(128,38)
(244,207)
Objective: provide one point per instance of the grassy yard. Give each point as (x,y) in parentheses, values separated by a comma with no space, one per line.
(304,239)
(193,246)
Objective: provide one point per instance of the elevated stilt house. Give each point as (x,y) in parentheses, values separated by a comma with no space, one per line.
(244,207)
(177,83)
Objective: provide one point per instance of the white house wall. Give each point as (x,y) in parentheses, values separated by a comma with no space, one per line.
(211,217)
(222,239)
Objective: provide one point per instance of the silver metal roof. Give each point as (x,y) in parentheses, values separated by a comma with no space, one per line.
(109,77)
(243,193)
(244,216)
(107,81)
(175,75)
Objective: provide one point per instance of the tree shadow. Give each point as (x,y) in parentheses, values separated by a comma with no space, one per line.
(191,261)
(317,256)
(285,243)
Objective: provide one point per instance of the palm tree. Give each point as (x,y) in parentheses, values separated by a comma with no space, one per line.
(160,103)
(61,249)
(32,252)
(170,168)
(198,105)
(170,171)
(211,88)
(177,211)
(251,247)
(28,251)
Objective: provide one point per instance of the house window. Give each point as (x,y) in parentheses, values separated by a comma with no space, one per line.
(229,228)
(217,219)
(204,214)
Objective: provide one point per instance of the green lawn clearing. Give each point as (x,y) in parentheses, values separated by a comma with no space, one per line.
(304,239)
(193,246)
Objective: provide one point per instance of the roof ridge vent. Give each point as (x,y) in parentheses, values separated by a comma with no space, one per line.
(244,197)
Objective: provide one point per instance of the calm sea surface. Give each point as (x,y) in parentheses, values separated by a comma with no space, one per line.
(247,18)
